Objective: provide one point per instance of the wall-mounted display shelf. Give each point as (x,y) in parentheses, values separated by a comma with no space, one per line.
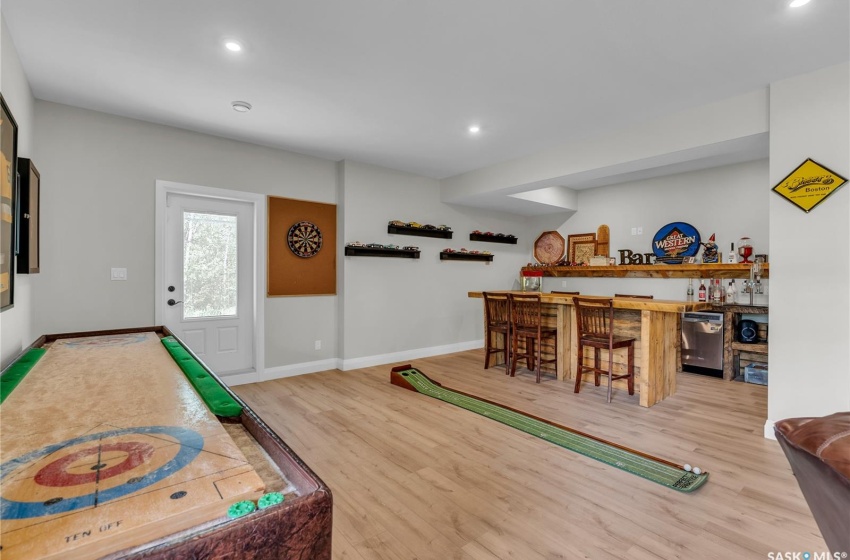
(420,232)
(730,271)
(374,252)
(508,239)
(444,256)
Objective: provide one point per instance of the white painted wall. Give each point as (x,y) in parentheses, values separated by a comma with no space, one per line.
(810,307)
(730,201)
(16,330)
(98,176)
(394,306)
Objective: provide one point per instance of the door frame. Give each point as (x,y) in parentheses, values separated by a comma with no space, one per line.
(258,202)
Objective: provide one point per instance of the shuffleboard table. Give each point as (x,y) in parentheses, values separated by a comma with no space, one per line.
(122,444)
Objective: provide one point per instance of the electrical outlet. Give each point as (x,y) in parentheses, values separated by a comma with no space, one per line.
(563,283)
(318,345)
(640,230)
(634,231)
(119,274)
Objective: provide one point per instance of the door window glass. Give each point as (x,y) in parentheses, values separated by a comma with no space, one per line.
(209,265)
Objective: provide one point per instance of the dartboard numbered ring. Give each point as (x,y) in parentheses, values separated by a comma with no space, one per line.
(304,239)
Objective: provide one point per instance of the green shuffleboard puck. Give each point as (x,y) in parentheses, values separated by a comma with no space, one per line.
(270,499)
(240,508)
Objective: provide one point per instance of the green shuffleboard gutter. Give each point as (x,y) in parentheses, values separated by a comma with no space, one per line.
(217,399)
(17,371)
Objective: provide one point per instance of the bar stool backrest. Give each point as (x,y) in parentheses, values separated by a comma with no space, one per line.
(567,293)
(525,310)
(633,296)
(594,317)
(497,308)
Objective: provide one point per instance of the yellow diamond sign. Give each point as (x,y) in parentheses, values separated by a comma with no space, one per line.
(809,185)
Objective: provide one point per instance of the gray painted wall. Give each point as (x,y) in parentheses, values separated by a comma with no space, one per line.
(16,330)
(392,305)
(810,308)
(98,183)
(730,201)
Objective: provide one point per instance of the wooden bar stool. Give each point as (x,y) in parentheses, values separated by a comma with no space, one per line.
(566,293)
(527,322)
(497,321)
(595,329)
(633,296)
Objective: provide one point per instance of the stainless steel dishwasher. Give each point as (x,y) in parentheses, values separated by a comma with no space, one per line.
(702,343)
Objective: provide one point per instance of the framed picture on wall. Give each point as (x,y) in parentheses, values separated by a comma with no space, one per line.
(8,188)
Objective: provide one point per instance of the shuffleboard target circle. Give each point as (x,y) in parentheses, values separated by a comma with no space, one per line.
(191,443)
(57,473)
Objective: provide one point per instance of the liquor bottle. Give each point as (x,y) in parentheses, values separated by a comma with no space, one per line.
(715,295)
(732,258)
(730,293)
(701,290)
(690,289)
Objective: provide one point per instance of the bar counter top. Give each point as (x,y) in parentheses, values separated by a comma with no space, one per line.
(638,304)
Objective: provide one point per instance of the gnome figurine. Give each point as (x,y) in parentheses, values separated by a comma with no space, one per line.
(709,252)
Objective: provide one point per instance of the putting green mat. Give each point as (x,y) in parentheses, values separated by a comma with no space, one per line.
(651,468)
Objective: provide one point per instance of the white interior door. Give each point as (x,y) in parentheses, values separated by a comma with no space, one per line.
(209,279)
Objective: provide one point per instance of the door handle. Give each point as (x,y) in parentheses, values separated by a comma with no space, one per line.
(172,303)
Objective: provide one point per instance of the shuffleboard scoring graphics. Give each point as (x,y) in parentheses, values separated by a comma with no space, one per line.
(304,239)
(666,473)
(73,465)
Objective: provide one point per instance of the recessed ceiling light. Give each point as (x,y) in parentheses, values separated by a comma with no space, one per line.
(233,46)
(798,3)
(241,106)
(474,129)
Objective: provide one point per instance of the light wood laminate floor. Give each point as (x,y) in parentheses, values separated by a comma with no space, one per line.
(413,477)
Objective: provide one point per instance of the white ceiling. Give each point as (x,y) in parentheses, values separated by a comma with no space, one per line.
(396,82)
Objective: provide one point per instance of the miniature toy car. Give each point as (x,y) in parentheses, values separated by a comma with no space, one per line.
(429,226)
(354,244)
(489,233)
(391,246)
(444,227)
(486,253)
(397,223)
(410,248)
(449,251)
(500,235)
(477,232)
(414,224)
(511,236)
(463,250)
(374,246)
(475,252)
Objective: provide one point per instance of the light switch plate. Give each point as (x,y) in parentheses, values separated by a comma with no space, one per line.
(119,274)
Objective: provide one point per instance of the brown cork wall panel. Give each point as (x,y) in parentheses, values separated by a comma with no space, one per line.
(289,274)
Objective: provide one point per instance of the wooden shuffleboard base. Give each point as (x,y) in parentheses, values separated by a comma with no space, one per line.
(107,446)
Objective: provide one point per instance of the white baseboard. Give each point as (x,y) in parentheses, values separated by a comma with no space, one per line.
(768,429)
(369,361)
(299,369)
(345,365)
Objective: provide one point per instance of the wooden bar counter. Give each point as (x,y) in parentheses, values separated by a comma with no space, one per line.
(652,322)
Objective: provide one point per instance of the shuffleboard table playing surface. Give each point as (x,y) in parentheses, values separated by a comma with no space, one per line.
(106,446)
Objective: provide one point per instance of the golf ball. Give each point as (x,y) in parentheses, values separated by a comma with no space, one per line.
(687,467)
(697,470)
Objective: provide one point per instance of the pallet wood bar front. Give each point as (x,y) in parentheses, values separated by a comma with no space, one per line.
(654,324)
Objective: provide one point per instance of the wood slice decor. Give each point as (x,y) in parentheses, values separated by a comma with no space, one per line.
(549,247)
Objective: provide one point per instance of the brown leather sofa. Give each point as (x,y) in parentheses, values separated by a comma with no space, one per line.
(819,452)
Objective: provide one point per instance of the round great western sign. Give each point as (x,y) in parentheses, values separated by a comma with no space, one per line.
(674,242)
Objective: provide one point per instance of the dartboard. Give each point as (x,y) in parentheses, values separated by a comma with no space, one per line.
(305,239)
